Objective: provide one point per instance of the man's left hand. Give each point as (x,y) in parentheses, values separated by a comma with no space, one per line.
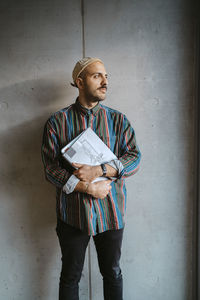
(86,172)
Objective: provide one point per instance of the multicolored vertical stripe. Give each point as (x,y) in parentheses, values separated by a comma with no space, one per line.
(78,209)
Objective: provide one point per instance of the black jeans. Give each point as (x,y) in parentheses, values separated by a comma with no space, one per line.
(73,243)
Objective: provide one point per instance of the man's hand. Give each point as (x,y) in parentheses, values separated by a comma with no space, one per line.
(86,172)
(99,189)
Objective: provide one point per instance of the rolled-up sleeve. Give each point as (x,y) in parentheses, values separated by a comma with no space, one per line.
(70,184)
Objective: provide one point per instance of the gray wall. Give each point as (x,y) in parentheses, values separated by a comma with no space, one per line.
(147,47)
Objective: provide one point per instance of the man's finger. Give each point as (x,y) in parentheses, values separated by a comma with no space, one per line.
(76,165)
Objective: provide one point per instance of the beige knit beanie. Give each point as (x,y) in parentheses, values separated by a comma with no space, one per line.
(81,65)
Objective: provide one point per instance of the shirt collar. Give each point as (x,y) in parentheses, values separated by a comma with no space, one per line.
(85,110)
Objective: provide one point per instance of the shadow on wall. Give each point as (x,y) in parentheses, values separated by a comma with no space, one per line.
(28,200)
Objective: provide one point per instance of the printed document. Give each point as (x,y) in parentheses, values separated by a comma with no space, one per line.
(88,148)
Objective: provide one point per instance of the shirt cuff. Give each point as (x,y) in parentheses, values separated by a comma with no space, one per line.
(116,164)
(70,185)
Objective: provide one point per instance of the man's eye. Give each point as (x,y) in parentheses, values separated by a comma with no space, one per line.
(96,75)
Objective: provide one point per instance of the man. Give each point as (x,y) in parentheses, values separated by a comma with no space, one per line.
(84,207)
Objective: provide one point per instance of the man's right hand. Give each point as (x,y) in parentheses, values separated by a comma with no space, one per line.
(99,189)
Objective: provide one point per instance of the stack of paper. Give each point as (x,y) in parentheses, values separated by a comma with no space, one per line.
(88,148)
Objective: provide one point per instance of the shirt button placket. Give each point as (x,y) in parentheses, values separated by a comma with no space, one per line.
(89,119)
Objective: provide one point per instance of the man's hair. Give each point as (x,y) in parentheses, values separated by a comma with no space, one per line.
(82,75)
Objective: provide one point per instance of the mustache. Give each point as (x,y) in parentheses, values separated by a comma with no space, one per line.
(103,86)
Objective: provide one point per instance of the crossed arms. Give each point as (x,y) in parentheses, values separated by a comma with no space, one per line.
(57,175)
(87,174)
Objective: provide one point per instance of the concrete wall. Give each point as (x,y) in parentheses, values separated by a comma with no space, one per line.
(147,47)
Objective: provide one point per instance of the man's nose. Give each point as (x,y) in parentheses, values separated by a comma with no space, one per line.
(104,80)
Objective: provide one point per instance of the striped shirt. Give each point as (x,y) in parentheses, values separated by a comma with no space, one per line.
(80,209)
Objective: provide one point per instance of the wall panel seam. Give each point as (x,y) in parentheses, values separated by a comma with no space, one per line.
(83,55)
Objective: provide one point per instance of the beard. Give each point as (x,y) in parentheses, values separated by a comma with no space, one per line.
(92,96)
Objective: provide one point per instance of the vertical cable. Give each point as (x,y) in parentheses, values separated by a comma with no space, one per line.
(83,54)
(83,28)
(196,207)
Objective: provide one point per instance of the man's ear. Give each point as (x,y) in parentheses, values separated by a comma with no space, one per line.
(79,83)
